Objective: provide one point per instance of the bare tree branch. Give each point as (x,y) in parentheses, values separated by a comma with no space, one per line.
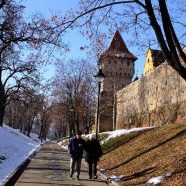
(3,2)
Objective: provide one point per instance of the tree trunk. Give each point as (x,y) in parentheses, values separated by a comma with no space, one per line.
(41,135)
(171,40)
(169,53)
(77,122)
(2,104)
(2,113)
(166,19)
(29,127)
(41,130)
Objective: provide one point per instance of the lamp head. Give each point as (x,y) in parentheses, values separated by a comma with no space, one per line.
(100,76)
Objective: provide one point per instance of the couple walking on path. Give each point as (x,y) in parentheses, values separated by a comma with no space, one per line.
(93,152)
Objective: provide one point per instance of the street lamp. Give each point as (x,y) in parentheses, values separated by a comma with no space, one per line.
(99,78)
(71,126)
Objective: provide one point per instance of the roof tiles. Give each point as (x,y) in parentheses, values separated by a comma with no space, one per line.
(118,48)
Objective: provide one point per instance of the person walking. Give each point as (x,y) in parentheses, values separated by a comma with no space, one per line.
(76,147)
(93,153)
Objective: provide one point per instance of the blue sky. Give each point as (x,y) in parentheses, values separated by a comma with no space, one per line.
(49,7)
(75,39)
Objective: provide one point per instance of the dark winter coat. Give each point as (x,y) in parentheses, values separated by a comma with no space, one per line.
(76,147)
(93,150)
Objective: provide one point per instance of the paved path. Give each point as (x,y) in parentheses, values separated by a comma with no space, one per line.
(50,166)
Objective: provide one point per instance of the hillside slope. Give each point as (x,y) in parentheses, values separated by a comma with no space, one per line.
(15,148)
(157,152)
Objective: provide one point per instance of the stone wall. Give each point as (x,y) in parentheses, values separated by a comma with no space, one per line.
(157,98)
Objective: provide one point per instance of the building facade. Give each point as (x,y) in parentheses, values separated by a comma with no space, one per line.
(117,63)
(157,98)
(154,58)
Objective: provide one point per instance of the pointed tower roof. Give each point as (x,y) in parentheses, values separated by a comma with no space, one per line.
(117,43)
(118,48)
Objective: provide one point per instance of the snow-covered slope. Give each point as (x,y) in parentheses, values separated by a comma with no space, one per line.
(15,147)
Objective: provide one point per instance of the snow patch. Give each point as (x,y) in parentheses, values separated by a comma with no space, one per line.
(116,133)
(116,178)
(15,147)
(158,179)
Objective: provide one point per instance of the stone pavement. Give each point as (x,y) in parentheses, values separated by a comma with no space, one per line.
(50,166)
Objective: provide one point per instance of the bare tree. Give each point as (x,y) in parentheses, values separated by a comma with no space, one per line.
(21,46)
(44,119)
(28,103)
(14,115)
(75,92)
(60,118)
(3,2)
(137,16)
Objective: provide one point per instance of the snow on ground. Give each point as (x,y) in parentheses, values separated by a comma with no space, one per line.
(15,147)
(111,134)
(117,133)
(155,180)
(116,178)
(158,179)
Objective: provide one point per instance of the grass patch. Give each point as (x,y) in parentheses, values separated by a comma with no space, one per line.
(113,143)
(102,136)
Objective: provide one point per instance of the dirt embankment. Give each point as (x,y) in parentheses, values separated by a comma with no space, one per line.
(156,152)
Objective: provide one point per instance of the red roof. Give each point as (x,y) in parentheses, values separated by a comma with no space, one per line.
(118,48)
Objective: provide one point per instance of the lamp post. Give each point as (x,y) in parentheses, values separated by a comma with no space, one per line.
(99,78)
(71,126)
(64,127)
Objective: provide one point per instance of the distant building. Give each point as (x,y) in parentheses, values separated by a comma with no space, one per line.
(154,58)
(117,63)
(145,101)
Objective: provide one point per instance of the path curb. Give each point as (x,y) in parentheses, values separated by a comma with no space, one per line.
(14,176)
